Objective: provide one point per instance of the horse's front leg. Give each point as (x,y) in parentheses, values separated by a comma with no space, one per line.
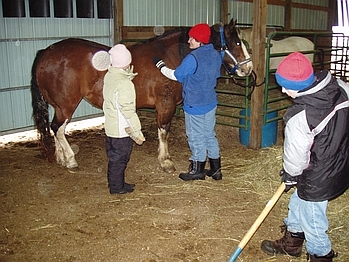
(164,157)
(64,154)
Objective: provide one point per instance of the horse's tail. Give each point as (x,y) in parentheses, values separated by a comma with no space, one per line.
(41,114)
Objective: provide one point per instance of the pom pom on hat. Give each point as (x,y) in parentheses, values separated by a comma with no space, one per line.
(295,72)
(201,32)
(120,56)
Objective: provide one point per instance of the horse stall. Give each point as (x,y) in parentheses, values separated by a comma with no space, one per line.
(54,213)
(326,50)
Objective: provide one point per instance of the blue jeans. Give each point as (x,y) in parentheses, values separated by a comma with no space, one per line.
(310,218)
(202,136)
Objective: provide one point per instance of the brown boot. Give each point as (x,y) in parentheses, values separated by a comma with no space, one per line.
(290,244)
(327,258)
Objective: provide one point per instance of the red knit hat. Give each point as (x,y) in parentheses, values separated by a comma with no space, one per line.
(295,72)
(201,32)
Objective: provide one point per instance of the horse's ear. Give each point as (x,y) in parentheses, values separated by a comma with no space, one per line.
(232,22)
(231,27)
(216,27)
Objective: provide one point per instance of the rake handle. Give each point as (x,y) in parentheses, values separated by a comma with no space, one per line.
(271,203)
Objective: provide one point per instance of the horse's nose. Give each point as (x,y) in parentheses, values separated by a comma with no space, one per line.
(245,70)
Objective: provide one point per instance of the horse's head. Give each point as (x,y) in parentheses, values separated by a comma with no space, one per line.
(235,57)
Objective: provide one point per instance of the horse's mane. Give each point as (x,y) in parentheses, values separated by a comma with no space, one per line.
(167,34)
(183,47)
(182,29)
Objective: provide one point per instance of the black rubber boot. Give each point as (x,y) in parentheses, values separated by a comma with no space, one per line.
(290,244)
(127,188)
(123,190)
(215,169)
(328,258)
(196,171)
(118,184)
(127,185)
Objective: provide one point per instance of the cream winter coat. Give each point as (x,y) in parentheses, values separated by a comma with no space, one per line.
(119,104)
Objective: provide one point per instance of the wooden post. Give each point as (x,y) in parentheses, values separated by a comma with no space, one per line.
(118,20)
(331,15)
(224,11)
(258,59)
(288,15)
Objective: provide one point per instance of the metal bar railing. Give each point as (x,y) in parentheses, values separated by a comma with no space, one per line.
(319,52)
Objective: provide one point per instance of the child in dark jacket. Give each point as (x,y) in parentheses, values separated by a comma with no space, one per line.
(316,156)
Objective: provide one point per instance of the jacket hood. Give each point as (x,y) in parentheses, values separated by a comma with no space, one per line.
(322,94)
(128,72)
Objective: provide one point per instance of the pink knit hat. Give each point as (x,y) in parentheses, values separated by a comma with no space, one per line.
(295,72)
(120,56)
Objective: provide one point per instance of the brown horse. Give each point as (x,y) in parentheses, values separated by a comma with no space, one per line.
(62,75)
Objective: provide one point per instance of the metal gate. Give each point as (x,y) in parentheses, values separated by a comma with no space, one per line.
(330,52)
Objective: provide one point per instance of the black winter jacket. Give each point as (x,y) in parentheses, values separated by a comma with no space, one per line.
(316,146)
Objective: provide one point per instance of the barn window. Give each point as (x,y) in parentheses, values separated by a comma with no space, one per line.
(84,8)
(39,8)
(13,8)
(105,9)
(63,8)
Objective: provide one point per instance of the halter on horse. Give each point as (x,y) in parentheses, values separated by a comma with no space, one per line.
(225,50)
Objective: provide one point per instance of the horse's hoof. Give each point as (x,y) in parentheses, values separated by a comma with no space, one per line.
(73,170)
(168,166)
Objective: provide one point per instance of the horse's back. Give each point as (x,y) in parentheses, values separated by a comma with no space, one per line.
(71,44)
(71,52)
(172,47)
(154,89)
(289,45)
(65,69)
(292,43)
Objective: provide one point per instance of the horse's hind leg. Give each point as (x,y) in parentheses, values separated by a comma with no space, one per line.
(164,157)
(59,152)
(64,154)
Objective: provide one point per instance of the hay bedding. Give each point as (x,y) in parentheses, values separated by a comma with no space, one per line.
(49,214)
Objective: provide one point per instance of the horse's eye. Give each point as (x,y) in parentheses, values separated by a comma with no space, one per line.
(238,43)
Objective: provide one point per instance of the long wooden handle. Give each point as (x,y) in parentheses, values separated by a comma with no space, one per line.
(271,203)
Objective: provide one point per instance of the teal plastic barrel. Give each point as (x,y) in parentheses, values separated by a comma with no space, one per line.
(269,131)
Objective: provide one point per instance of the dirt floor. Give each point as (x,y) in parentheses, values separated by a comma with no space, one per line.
(50,214)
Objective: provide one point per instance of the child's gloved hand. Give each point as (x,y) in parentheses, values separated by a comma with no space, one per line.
(139,139)
(290,181)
